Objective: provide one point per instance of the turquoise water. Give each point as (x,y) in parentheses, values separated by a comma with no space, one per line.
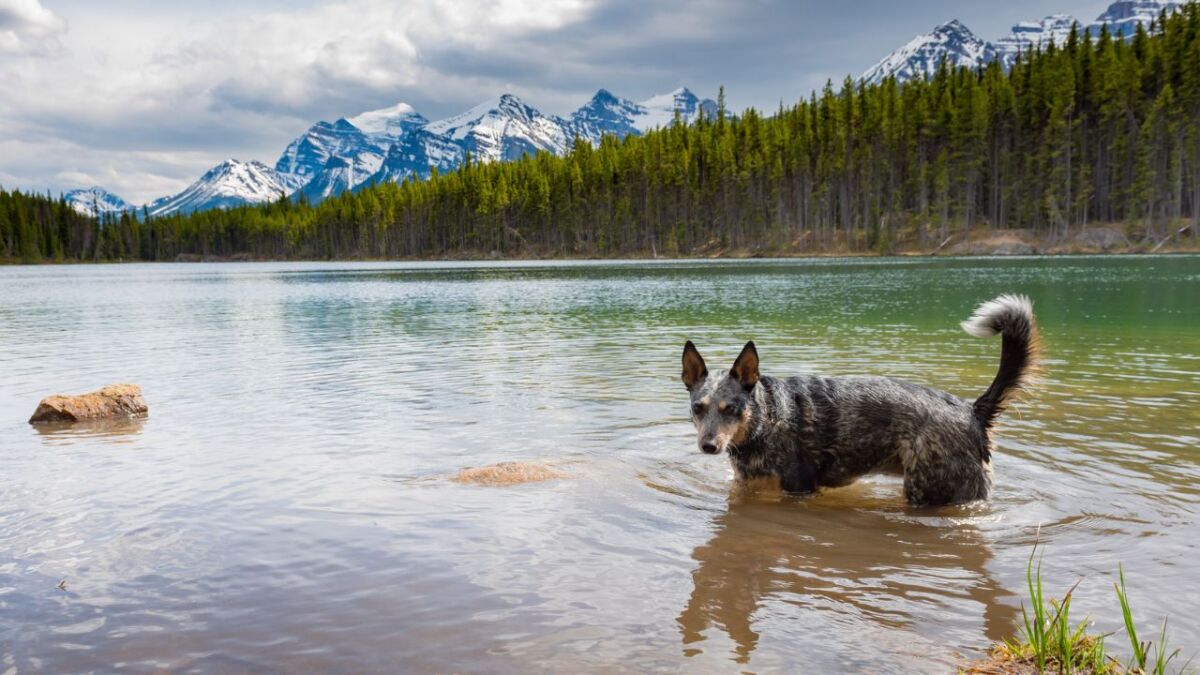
(286,505)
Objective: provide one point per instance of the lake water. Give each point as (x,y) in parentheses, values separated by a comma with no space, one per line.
(285,507)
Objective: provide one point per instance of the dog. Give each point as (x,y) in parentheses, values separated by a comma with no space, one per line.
(813,432)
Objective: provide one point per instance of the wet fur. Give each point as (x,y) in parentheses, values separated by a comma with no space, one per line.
(813,432)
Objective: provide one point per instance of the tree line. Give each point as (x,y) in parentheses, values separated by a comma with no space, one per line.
(1096,130)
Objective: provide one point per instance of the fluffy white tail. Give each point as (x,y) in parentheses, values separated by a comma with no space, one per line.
(1012,317)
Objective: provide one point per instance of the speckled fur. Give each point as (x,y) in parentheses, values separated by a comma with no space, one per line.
(813,432)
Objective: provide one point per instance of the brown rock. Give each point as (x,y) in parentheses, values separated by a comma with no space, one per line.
(507,473)
(118,400)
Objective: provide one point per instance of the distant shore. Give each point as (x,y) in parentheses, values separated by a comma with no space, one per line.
(983,242)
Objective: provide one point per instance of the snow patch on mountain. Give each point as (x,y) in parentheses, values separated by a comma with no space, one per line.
(96,201)
(394,121)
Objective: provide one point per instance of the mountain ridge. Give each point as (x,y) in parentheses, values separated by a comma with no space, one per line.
(396,143)
(96,201)
(953,42)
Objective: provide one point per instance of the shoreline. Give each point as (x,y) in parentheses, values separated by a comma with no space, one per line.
(981,242)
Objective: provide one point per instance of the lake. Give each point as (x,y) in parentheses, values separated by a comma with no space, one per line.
(286,505)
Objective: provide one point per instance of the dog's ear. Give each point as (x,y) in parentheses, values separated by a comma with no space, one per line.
(694,370)
(745,369)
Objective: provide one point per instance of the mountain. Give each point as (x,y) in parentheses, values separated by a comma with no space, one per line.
(951,41)
(607,114)
(95,201)
(397,143)
(504,128)
(330,159)
(230,183)
(307,155)
(660,110)
(414,154)
(957,44)
(1029,35)
(1123,18)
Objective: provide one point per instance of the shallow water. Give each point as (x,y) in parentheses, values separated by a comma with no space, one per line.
(286,506)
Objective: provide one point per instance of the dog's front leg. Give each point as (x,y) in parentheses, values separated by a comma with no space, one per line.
(798,475)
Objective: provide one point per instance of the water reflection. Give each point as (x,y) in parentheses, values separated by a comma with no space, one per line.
(273,514)
(115,429)
(892,568)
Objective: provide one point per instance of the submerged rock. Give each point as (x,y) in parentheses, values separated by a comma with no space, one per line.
(507,473)
(118,400)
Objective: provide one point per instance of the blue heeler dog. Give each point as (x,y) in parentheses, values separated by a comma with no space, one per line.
(813,432)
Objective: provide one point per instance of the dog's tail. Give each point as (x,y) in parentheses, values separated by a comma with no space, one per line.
(1020,348)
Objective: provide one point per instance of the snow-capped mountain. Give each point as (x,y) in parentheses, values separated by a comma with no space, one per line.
(414,155)
(1123,17)
(504,128)
(95,201)
(230,183)
(951,42)
(660,110)
(341,174)
(607,114)
(308,154)
(1030,35)
(955,43)
(397,143)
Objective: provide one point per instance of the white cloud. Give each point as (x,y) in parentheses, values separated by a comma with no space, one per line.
(142,97)
(28,28)
(195,86)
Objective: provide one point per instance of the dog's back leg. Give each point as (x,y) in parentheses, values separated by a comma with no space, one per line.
(939,471)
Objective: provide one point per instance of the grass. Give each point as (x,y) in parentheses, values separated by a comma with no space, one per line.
(1047,642)
(1163,654)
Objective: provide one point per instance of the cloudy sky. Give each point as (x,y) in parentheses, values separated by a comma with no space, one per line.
(141,96)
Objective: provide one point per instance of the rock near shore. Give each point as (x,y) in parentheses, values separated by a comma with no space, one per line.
(118,400)
(507,473)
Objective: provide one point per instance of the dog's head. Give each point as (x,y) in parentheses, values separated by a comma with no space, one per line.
(721,402)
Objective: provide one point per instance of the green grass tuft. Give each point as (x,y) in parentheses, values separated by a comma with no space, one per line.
(1163,654)
(1049,643)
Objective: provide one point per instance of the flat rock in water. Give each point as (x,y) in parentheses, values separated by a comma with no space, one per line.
(507,473)
(118,400)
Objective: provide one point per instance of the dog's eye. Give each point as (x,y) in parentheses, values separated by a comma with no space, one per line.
(730,409)
(697,409)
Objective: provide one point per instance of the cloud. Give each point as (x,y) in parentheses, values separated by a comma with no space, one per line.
(329,57)
(142,97)
(27,28)
(237,85)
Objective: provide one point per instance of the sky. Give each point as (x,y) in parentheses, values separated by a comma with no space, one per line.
(141,97)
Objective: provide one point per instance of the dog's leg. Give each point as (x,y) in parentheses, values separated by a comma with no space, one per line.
(940,471)
(798,475)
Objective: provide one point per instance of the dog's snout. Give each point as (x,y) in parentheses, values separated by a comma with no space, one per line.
(709,447)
